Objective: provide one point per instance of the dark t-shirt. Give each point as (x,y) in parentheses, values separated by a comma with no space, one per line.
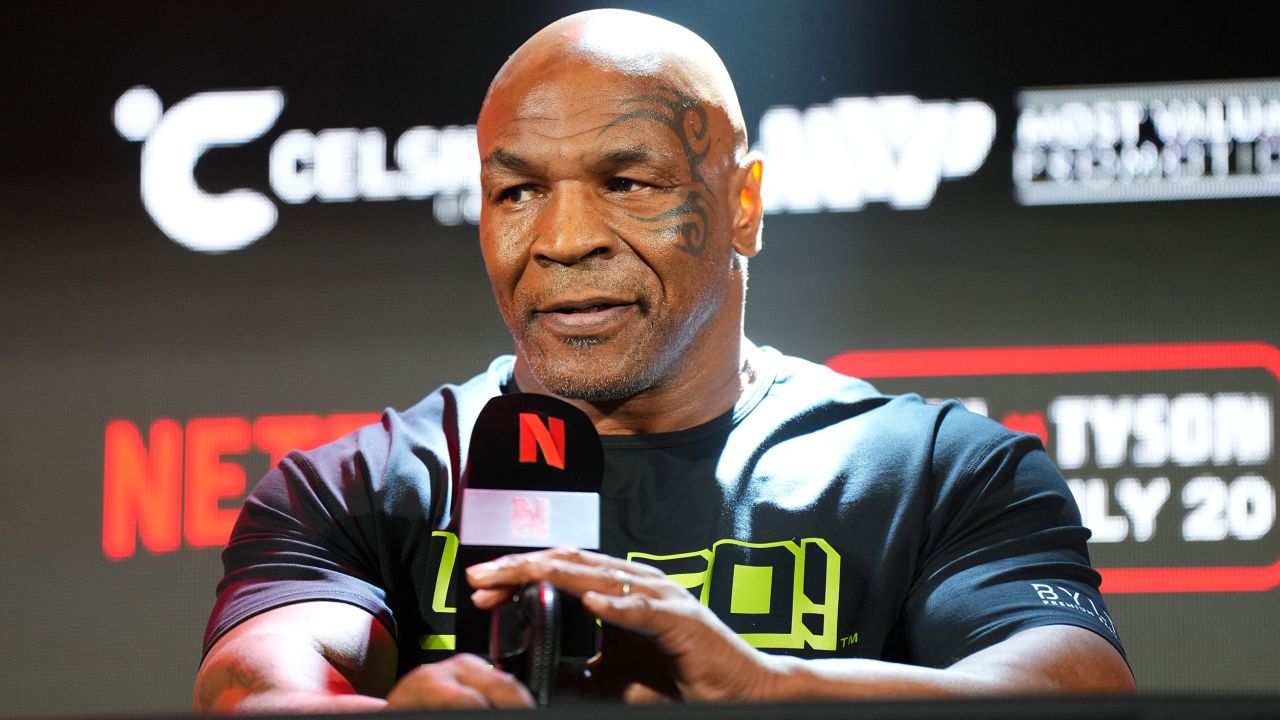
(819,518)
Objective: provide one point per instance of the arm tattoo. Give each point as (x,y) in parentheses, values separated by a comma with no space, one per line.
(238,675)
(687,118)
(250,678)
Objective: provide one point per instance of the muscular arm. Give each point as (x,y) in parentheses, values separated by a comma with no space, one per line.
(306,657)
(333,657)
(1056,659)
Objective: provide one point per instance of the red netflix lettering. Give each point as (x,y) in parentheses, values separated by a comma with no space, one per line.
(142,488)
(535,436)
(210,480)
(278,435)
(145,482)
(335,426)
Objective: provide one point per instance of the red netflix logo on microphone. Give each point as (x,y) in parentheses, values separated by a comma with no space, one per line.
(548,438)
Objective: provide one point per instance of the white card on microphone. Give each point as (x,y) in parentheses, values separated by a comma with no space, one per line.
(530,518)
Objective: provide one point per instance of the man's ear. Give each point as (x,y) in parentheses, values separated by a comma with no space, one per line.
(748,218)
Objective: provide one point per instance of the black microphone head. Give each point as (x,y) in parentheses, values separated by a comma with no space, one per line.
(533,478)
(526,441)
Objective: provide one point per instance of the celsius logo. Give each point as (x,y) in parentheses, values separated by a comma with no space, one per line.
(331,165)
(172,143)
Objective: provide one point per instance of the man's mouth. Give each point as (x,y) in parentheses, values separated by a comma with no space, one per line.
(588,309)
(587,316)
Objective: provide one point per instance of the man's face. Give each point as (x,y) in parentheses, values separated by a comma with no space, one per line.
(604,228)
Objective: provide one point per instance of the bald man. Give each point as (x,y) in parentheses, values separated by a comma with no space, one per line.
(771,530)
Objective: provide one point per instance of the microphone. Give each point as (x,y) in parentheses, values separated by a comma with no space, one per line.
(532,481)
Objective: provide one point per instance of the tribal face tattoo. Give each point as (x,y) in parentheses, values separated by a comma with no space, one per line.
(684,116)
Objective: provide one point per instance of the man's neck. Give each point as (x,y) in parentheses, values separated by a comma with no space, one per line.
(689,400)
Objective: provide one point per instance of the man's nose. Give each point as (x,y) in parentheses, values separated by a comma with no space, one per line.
(572,227)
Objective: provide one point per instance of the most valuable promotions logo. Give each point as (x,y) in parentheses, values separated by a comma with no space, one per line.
(833,157)
(1148,142)
(1168,449)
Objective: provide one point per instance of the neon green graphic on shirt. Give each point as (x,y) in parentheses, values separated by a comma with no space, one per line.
(440,600)
(440,596)
(752,587)
(688,581)
(776,570)
(439,642)
(751,590)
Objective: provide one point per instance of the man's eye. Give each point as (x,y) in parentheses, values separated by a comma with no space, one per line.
(518,194)
(619,184)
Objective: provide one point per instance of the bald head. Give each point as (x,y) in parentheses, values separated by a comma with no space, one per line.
(629,44)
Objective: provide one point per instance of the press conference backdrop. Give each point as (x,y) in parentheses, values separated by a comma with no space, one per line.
(231,229)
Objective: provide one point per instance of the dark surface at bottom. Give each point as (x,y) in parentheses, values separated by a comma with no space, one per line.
(1158,707)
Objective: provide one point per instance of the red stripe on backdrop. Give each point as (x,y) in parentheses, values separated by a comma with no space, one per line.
(1065,359)
(1075,359)
(1190,579)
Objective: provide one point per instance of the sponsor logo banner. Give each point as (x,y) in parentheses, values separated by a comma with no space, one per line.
(834,157)
(1135,143)
(1168,448)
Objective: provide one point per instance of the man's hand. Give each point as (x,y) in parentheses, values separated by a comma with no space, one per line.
(462,681)
(705,660)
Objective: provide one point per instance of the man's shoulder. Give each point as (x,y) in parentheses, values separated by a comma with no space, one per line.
(799,378)
(805,393)
(801,388)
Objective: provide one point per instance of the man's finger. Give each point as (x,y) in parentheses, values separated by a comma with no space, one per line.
(499,688)
(640,694)
(576,576)
(635,611)
(567,555)
(490,599)
(436,686)
(454,697)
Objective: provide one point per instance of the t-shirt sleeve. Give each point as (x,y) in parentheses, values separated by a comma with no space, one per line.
(302,535)
(1006,549)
